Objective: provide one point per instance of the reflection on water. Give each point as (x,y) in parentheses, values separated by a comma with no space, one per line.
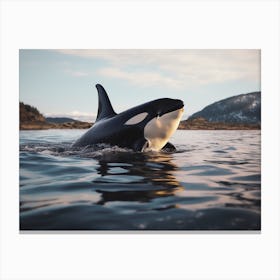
(211,183)
(131,177)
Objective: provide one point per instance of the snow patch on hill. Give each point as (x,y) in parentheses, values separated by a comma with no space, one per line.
(243,108)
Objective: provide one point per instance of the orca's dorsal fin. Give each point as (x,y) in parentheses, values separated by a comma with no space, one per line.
(105,109)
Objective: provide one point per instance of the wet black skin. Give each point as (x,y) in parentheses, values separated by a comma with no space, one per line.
(110,127)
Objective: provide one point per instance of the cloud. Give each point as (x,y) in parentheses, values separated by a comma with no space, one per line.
(140,78)
(176,68)
(81,116)
(79,74)
(76,73)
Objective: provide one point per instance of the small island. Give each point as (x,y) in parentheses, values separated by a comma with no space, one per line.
(32,119)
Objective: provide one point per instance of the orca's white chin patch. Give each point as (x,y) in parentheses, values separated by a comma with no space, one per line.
(158,130)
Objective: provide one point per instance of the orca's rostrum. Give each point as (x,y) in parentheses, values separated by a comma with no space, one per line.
(145,127)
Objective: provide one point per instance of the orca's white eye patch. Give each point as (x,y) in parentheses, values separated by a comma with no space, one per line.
(137,119)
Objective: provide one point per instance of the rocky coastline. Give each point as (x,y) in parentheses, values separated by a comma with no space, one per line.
(203,124)
(32,119)
(36,125)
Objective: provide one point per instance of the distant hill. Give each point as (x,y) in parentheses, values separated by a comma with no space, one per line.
(30,114)
(31,118)
(59,120)
(240,109)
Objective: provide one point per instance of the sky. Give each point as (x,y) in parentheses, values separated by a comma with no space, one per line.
(62,82)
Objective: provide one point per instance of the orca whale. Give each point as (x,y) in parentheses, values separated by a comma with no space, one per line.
(145,127)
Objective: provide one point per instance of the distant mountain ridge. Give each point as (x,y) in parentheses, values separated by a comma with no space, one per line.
(243,108)
(31,118)
(59,120)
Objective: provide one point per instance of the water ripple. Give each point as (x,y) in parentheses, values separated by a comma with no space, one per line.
(212,182)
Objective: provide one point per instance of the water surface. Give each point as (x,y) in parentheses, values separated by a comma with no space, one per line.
(212,182)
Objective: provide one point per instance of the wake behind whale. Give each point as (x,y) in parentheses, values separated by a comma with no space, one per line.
(142,128)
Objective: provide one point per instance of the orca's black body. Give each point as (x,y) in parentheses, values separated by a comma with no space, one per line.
(147,126)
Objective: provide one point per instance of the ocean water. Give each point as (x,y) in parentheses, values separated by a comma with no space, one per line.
(212,182)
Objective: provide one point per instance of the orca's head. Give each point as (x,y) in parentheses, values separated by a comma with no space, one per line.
(159,118)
